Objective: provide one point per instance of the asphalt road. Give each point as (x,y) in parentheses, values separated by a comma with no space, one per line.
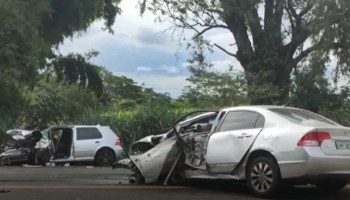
(82,183)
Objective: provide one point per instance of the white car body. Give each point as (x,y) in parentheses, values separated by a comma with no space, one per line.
(301,145)
(84,143)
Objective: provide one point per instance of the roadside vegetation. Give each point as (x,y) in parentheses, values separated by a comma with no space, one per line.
(40,87)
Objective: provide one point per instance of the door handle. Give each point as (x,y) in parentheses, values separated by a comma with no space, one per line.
(245,135)
(97,142)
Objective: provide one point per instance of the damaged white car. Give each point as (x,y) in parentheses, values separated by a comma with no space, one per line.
(261,145)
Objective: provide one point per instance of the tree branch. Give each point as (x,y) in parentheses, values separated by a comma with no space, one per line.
(269,4)
(235,21)
(308,51)
(254,24)
(224,50)
(199,33)
(279,11)
(307,9)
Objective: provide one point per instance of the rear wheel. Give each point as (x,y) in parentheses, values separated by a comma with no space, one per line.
(263,176)
(331,185)
(105,157)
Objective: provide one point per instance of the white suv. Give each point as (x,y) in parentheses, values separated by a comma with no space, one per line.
(71,143)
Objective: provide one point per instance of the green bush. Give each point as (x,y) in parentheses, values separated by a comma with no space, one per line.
(6,122)
(143,120)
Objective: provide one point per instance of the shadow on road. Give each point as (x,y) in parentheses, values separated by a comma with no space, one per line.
(242,190)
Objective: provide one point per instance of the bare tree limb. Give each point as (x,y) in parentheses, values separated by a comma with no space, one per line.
(199,33)
(308,51)
(308,8)
(254,24)
(235,20)
(224,50)
(292,9)
(279,5)
(269,6)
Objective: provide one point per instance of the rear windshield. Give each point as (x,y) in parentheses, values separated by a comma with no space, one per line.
(302,117)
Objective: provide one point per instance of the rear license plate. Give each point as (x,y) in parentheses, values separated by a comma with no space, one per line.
(342,145)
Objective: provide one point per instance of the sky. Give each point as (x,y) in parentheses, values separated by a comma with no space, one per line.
(141,49)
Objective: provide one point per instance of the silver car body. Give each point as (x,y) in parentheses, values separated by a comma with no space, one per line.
(86,149)
(19,134)
(283,132)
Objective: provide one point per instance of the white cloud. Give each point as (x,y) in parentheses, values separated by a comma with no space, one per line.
(140,34)
(143,69)
(170,69)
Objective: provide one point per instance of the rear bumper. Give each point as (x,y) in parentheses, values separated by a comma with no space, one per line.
(311,163)
(118,153)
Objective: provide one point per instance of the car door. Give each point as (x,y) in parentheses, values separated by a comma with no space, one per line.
(232,139)
(87,141)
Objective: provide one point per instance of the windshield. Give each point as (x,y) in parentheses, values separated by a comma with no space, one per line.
(302,117)
(45,133)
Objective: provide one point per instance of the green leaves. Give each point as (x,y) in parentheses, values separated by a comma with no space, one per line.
(72,16)
(20,39)
(76,69)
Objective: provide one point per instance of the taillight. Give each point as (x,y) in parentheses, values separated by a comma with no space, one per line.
(117,142)
(314,139)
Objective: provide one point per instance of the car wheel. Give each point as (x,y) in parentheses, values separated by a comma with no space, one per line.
(331,185)
(105,157)
(263,176)
(43,156)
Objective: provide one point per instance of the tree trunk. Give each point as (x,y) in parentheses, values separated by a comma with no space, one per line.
(268,84)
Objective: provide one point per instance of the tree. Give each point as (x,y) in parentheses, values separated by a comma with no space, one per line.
(76,69)
(31,28)
(53,102)
(68,17)
(272,37)
(124,92)
(212,89)
(20,41)
(312,90)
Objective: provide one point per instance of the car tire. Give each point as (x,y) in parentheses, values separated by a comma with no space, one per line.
(105,157)
(43,157)
(331,185)
(263,176)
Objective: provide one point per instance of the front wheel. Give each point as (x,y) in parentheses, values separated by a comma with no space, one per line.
(263,176)
(331,185)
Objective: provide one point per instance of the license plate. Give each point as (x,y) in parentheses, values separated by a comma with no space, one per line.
(342,145)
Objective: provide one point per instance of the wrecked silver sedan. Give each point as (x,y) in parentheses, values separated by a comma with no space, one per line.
(262,145)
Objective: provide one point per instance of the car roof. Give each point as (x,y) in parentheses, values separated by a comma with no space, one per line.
(256,107)
(75,126)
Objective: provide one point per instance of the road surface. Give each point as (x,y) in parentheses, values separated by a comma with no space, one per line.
(82,183)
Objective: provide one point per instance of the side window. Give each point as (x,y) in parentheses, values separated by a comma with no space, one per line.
(88,133)
(260,122)
(236,120)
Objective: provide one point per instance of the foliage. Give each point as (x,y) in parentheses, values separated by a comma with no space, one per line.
(271,43)
(54,103)
(71,16)
(30,29)
(210,89)
(340,115)
(76,69)
(21,43)
(145,119)
(123,92)
(312,90)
